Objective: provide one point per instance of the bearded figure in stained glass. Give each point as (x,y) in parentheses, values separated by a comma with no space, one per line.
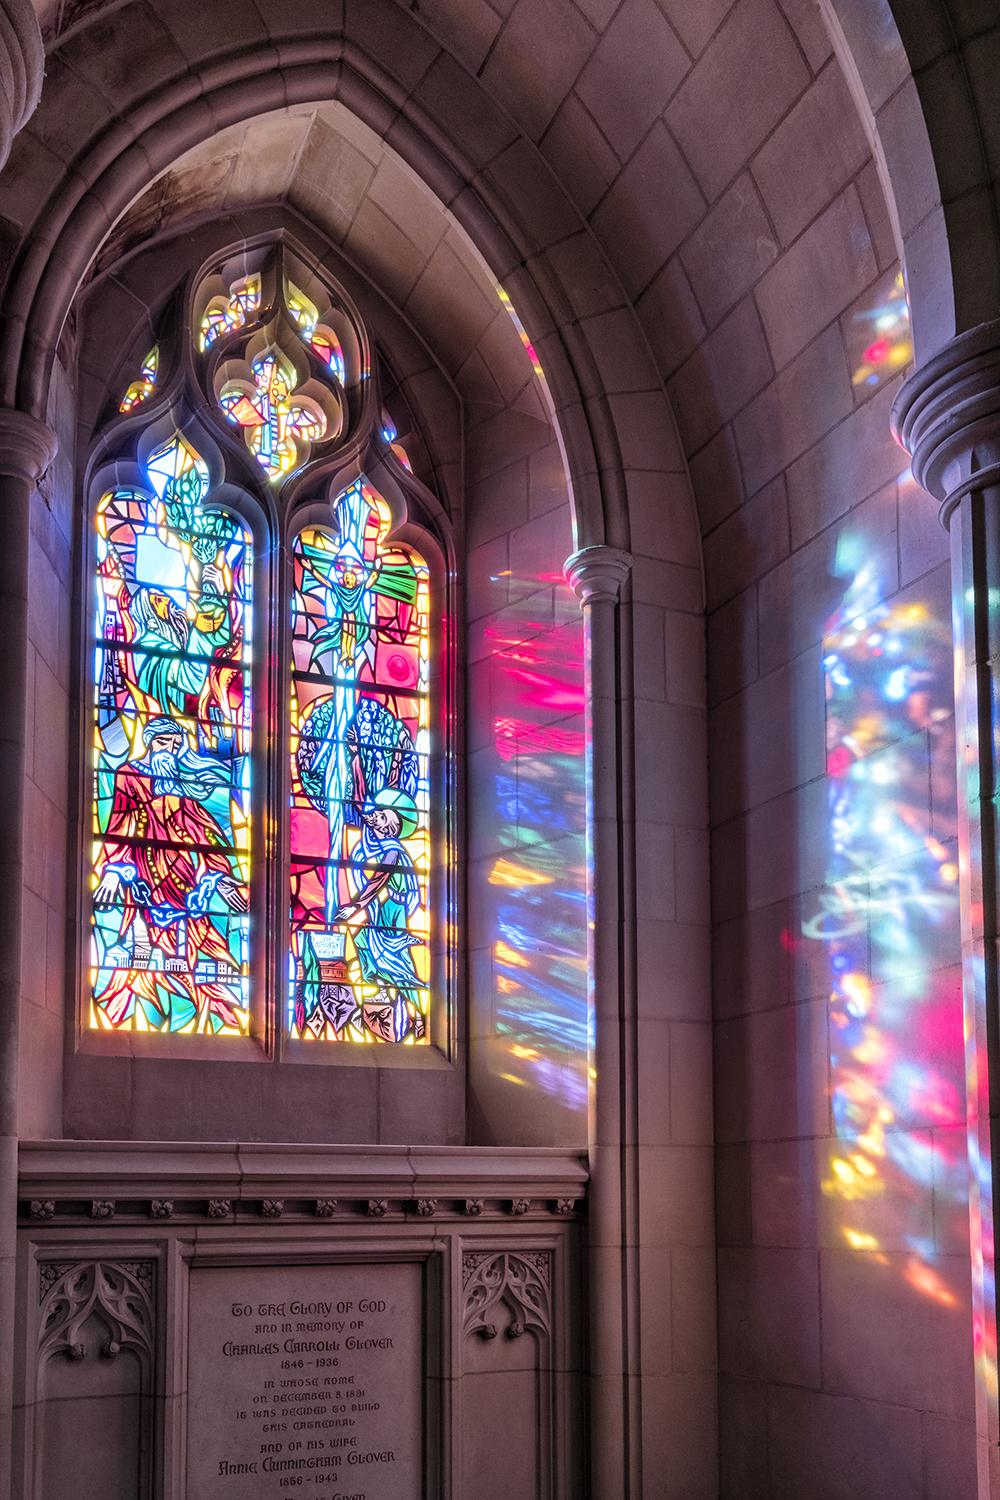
(172,767)
(177,661)
(167,880)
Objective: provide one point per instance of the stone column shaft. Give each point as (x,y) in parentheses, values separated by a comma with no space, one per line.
(27,447)
(597,573)
(947,416)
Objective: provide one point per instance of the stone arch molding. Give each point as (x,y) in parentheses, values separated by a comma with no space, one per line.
(916,72)
(511,217)
(22,65)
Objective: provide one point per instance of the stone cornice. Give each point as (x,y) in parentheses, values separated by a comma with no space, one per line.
(72,1171)
(27,446)
(597,573)
(947,417)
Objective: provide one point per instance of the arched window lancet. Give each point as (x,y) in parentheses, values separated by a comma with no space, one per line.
(360,793)
(172,762)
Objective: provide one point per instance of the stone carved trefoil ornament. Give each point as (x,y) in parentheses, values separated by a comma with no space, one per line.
(120,1295)
(497,1282)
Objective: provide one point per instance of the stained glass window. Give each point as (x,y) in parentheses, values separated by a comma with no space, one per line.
(389,433)
(170,865)
(172,725)
(143,387)
(223,314)
(279,425)
(323,340)
(359,965)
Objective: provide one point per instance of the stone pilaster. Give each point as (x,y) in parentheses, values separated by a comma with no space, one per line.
(22,65)
(947,417)
(597,574)
(27,447)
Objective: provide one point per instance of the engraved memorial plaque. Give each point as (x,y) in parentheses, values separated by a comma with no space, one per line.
(307,1380)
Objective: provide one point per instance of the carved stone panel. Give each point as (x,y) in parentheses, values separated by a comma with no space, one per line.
(119,1295)
(507,1369)
(516,1286)
(95,1360)
(305,1373)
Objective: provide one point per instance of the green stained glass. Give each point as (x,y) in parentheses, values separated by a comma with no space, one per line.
(172,738)
(360,799)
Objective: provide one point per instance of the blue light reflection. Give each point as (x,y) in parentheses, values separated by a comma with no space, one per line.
(539,953)
(888,918)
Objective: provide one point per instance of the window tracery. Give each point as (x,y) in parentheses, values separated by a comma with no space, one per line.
(143,387)
(226,312)
(181,748)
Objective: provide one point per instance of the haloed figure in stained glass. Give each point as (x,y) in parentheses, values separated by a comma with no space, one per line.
(359,795)
(387,899)
(172,762)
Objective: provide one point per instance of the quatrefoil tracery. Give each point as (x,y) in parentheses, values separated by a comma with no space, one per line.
(278,371)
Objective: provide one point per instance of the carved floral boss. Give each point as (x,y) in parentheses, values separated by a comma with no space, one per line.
(323,1208)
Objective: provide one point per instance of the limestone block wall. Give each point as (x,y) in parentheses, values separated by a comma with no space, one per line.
(827,1231)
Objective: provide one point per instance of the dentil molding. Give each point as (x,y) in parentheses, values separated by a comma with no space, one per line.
(947,417)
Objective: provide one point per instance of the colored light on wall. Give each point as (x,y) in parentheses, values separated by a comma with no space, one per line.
(880,339)
(538,956)
(888,922)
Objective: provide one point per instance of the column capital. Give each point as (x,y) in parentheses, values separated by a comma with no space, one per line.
(27,446)
(597,573)
(947,417)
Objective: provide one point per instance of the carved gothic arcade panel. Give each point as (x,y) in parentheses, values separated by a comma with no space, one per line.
(404,1326)
(95,1365)
(507,1362)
